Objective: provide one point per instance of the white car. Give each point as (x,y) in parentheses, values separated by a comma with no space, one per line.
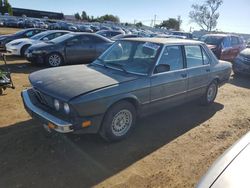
(19,46)
(231,170)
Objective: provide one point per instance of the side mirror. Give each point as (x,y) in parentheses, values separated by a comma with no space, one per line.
(45,39)
(162,68)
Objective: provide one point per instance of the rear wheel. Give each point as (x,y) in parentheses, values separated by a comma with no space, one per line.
(54,60)
(210,94)
(118,121)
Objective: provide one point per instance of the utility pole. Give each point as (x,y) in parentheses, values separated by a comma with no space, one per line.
(154,20)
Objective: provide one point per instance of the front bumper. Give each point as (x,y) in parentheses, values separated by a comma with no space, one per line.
(240,67)
(60,125)
(13,50)
(35,58)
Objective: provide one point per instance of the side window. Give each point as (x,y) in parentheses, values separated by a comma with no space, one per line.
(193,56)
(74,41)
(235,41)
(172,56)
(226,42)
(29,34)
(85,39)
(205,57)
(50,37)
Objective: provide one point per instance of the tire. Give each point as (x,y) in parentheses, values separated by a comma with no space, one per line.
(23,49)
(211,93)
(1,91)
(54,60)
(118,121)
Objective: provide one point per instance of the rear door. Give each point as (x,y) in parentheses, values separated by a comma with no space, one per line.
(169,88)
(198,70)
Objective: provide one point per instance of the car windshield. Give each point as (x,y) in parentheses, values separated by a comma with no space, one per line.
(130,56)
(62,38)
(212,40)
(39,35)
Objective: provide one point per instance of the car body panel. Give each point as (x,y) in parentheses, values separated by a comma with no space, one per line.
(231,168)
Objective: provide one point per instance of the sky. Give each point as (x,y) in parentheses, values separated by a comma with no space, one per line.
(234,15)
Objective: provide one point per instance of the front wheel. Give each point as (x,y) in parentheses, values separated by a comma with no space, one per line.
(118,121)
(210,94)
(54,60)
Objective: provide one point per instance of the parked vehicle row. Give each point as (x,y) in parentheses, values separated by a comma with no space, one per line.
(67,49)
(26,33)
(19,46)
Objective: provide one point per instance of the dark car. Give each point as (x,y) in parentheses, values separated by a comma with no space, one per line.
(85,28)
(11,22)
(224,46)
(124,36)
(231,170)
(26,33)
(67,49)
(241,64)
(182,34)
(134,77)
(109,33)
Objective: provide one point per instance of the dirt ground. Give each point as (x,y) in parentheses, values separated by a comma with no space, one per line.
(171,149)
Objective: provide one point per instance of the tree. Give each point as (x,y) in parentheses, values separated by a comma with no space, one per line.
(171,23)
(205,15)
(77,16)
(84,15)
(138,24)
(5,7)
(109,17)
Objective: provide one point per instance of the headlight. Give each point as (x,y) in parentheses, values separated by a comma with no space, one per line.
(56,104)
(16,43)
(66,108)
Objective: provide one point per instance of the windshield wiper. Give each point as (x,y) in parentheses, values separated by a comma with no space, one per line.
(119,66)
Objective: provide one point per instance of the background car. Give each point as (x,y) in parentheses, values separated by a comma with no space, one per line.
(224,46)
(67,49)
(109,33)
(19,46)
(26,33)
(231,169)
(241,64)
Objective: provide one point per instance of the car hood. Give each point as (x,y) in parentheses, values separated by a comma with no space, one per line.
(25,40)
(4,36)
(68,82)
(246,52)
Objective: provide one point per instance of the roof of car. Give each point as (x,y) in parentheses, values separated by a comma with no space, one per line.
(165,40)
(221,35)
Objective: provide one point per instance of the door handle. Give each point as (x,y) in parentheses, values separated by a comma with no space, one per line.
(183,75)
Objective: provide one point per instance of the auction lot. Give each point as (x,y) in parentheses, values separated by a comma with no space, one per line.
(171,149)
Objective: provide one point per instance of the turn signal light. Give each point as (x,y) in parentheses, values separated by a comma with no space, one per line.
(86,124)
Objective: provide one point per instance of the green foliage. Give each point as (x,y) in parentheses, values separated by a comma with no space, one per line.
(107,17)
(139,24)
(205,15)
(171,23)
(6,8)
(77,16)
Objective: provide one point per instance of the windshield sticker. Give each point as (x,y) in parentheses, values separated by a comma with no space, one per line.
(151,46)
